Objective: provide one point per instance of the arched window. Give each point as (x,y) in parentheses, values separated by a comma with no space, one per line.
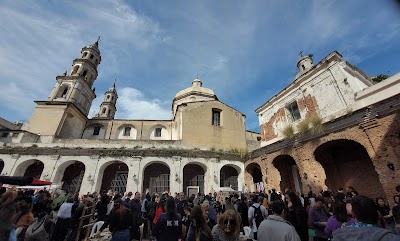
(84,54)
(127,131)
(91,56)
(84,73)
(157,133)
(75,70)
(108,97)
(112,97)
(104,110)
(64,94)
(96,130)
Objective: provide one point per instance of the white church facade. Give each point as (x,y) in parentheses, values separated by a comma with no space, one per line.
(200,149)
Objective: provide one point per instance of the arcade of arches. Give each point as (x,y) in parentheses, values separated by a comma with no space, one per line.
(366,159)
(156,178)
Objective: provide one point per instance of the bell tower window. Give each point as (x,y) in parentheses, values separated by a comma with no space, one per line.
(104,110)
(84,73)
(75,70)
(84,54)
(91,56)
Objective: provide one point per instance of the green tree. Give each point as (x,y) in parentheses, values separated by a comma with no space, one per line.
(379,78)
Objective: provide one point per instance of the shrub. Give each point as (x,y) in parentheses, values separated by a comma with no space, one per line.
(288,132)
(316,122)
(303,126)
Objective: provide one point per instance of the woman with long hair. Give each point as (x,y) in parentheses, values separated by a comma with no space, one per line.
(228,227)
(169,225)
(160,209)
(339,218)
(119,221)
(198,230)
(297,215)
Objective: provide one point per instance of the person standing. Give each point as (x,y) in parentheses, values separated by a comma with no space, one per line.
(135,208)
(228,226)
(275,227)
(318,217)
(119,221)
(169,225)
(385,211)
(366,226)
(339,218)
(297,215)
(198,230)
(257,213)
(396,213)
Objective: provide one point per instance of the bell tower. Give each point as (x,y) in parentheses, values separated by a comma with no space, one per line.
(108,106)
(64,113)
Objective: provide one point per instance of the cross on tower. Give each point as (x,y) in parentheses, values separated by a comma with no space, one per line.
(301,53)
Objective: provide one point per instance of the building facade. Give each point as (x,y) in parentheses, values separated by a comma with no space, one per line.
(200,149)
(330,128)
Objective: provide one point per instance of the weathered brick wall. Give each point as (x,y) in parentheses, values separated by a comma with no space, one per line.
(381,140)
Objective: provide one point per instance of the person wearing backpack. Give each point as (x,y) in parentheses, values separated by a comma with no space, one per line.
(151,211)
(257,214)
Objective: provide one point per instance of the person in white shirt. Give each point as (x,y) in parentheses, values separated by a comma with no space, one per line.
(255,221)
(275,227)
(63,220)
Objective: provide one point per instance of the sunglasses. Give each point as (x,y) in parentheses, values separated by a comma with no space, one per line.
(230,221)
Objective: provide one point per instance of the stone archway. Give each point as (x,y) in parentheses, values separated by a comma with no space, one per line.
(34,170)
(193,176)
(229,177)
(347,163)
(290,177)
(255,172)
(156,178)
(115,178)
(73,176)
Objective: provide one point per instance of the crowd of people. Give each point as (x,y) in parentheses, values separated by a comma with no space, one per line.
(44,215)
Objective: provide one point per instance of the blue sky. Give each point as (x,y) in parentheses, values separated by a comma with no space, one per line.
(246,51)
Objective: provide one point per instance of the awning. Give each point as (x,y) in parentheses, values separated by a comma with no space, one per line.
(47,187)
(23,181)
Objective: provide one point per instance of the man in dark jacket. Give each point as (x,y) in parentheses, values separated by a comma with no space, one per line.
(135,207)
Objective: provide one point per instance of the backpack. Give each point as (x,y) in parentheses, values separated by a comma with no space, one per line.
(151,210)
(258,216)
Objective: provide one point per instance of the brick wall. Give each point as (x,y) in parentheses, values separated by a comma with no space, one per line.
(380,140)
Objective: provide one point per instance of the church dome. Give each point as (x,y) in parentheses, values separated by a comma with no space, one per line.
(195,89)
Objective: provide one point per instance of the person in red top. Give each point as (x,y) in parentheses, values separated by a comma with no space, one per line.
(160,209)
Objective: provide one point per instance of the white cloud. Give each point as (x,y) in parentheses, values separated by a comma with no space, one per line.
(132,104)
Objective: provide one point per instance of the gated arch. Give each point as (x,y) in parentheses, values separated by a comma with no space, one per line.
(229,177)
(156,177)
(30,168)
(115,177)
(193,176)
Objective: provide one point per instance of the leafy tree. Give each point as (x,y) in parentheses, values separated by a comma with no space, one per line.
(379,78)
